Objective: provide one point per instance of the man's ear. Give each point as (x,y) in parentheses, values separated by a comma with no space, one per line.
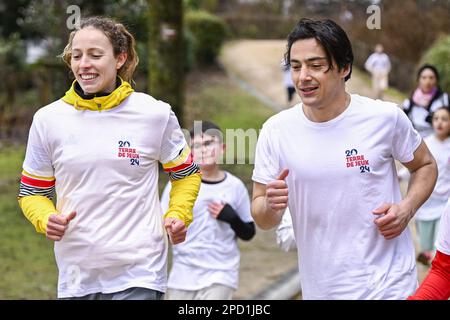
(346,70)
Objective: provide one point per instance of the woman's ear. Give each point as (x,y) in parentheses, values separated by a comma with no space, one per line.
(121,59)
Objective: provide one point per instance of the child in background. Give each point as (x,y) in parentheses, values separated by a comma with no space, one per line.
(206,266)
(428,216)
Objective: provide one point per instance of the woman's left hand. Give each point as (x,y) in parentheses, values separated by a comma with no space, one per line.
(176,229)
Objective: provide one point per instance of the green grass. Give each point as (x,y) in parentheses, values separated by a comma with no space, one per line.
(27,264)
(11,163)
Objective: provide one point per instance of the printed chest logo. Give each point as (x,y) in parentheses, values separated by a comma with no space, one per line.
(353,159)
(128,152)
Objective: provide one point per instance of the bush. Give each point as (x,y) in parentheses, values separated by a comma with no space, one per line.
(189,58)
(439,56)
(208,5)
(208,33)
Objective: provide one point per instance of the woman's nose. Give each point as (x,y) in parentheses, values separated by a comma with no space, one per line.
(85,62)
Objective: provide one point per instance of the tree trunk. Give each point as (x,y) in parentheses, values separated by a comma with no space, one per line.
(166,58)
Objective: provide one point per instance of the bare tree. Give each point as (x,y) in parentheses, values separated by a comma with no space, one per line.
(166,60)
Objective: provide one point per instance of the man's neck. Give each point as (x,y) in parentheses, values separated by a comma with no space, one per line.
(330,111)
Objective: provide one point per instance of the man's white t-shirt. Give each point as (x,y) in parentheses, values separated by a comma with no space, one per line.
(339,172)
(443,238)
(210,253)
(432,209)
(106,169)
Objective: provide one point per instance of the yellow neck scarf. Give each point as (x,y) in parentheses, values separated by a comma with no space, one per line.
(98,103)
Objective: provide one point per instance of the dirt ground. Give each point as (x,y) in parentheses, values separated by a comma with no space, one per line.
(262,263)
(257,63)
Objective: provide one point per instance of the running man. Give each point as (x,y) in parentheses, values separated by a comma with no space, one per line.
(331,159)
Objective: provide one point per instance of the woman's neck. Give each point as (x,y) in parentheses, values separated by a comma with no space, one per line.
(430,91)
(87,95)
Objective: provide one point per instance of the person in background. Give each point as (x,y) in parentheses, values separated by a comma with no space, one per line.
(428,216)
(206,265)
(425,99)
(287,80)
(436,285)
(379,66)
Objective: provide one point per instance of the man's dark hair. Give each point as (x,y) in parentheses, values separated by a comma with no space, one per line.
(330,35)
(206,127)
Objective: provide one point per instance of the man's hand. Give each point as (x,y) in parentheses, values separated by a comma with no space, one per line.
(395,220)
(57,225)
(176,230)
(277,192)
(269,201)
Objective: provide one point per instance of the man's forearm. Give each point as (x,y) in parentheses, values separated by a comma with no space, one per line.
(420,186)
(265,217)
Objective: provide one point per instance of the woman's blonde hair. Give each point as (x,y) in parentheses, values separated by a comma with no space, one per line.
(121,39)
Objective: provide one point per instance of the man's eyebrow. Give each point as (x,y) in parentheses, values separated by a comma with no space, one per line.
(309,59)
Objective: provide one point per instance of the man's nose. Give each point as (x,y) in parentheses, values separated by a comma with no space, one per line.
(304,74)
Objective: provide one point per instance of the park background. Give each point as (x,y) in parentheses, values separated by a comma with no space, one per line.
(213,60)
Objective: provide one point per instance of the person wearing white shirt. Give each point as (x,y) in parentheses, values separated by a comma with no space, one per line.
(436,285)
(379,66)
(331,159)
(206,265)
(99,148)
(287,80)
(425,99)
(428,216)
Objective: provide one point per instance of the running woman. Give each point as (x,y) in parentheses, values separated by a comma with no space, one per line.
(98,148)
